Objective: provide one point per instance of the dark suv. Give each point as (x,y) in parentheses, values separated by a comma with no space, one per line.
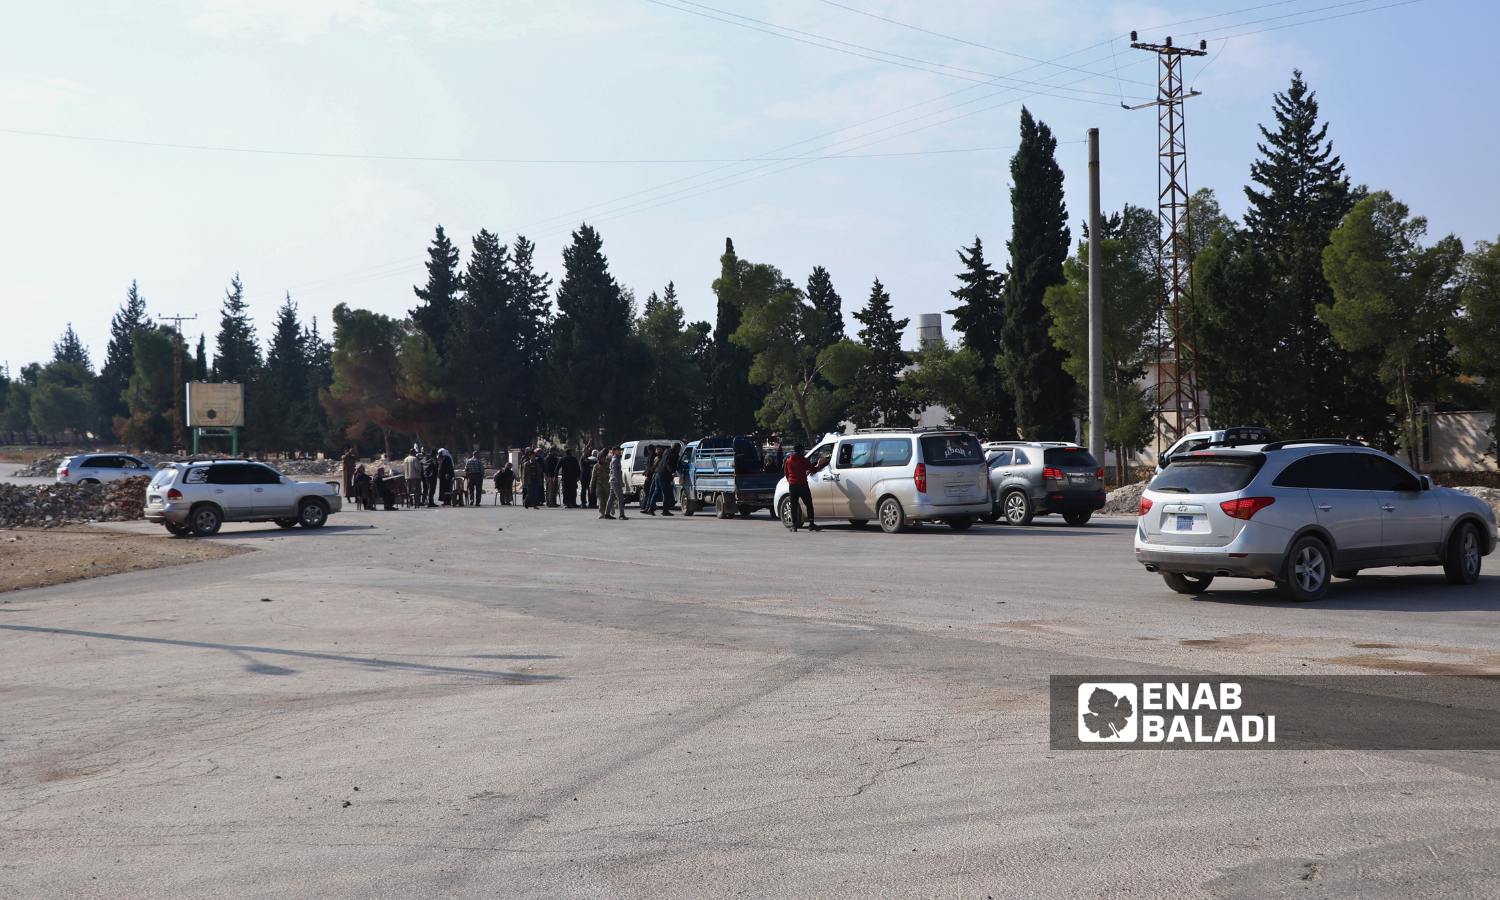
(1038,478)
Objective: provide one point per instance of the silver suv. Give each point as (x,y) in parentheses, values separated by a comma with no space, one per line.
(1038,478)
(99,468)
(899,476)
(1300,513)
(195,498)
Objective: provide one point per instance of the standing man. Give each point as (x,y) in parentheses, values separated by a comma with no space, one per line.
(598,488)
(798,494)
(586,492)
(350,459)
(411,472)
(429,478)
(474,476)
(648,486)
(664,475)
(568,470)
(616,485)
(505,483)
(549,475)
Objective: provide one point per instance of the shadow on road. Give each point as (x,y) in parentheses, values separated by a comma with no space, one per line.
(255,530)
(1395,593)
(243,650)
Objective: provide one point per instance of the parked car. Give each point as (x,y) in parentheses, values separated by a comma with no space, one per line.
(1039,478)
(195,498)
(1301,513)
(98,468)
(731,474)
(1197,440)
(633,458)
(899,476)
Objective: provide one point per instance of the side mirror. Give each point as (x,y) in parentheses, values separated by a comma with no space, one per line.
(1426,481)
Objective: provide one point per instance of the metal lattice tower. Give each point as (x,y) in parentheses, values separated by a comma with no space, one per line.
(1177,409)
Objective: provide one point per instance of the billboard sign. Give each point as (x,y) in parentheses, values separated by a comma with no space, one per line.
(212,405)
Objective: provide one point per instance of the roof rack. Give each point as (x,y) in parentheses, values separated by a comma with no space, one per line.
(1337,442)
(913,430)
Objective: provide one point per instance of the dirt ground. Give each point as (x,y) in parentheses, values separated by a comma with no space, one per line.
(37,558)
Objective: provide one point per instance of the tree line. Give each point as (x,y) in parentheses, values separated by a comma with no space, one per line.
(1325,311)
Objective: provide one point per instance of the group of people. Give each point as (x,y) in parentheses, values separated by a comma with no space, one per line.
(426,477)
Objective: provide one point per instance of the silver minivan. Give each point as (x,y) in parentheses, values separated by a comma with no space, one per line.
(898,477)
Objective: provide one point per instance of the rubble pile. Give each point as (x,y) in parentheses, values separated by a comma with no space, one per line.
(1124,500)
(51,505)
(46,466)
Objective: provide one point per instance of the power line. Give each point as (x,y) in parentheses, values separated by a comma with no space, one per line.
(1344,15)
(459,159)
(886,56)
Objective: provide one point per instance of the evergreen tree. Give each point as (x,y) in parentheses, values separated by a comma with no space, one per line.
(674,388)
(119,358)
(826,325)
(980,317)
(366,372)
(238,354)
(282,397)
(733,398)
(438,312)
(875,396)
(69,349)
(1477,333)
(532,337)
(1039,242)
(484,353)
(200,360)
(147,424)
(63,396)
(597,363)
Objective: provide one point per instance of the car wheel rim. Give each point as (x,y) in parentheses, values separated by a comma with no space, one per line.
(1015,508)
(786,513)
(1471,552)
(204,520)
(311,514)
(1310,569)
(889,515)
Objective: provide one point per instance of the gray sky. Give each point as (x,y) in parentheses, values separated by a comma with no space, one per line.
(1409,90)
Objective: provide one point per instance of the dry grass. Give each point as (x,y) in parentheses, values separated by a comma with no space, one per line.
(37,558)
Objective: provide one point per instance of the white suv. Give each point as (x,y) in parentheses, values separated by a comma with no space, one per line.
(195,498)
(97,468)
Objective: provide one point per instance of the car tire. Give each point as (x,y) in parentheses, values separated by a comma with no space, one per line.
(1015,506)
(286,523)
(312,514)
(892,516)
(960,523)
(1463,558)
(1307,571)
(204,520)
(177,530)
(1077,518)
(723,508)
(1184,583)
(859,523)
(784,512)
(745,510)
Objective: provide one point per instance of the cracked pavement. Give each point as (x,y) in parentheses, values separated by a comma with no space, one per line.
(428,706)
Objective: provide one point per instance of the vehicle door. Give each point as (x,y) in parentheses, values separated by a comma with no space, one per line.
(852,477)
(1340,487)
(1000,471)
(230,486)
(685,471)
(130,467)
(956,473)
(1411,519)
(273,496)
(93,467)
(819,484)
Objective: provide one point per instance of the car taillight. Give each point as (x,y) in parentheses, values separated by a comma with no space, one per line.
(174,494)
(1245,507)
(1051,474)
(921,478)
(1099,473)
(1145,506)
(63,472)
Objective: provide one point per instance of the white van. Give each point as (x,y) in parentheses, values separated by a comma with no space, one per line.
(633,458)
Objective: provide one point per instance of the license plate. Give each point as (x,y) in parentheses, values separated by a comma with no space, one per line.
(958,490)
(1184,523)
(1078,479)
(155,501)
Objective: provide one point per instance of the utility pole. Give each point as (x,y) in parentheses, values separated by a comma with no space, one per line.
(1096,309)
(1177,408)
(179,421)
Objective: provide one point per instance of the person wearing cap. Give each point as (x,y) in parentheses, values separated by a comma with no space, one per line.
(796,469)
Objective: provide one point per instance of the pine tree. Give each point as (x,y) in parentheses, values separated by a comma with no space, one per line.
(733,398)
(438,312)
(200,368)
(875,395)
(69,349)
(674,389)
(826,325)
(319,361)
(238,354)
(1039,242)
(533,338)
(281,397)
(597,362)
(119,358)
(484,354)
(979,317)
(147,423)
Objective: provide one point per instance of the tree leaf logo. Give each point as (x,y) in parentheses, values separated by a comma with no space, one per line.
(1107,712)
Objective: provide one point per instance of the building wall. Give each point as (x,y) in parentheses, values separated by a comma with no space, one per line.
(1460,442)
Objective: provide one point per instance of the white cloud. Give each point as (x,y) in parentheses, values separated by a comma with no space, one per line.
(287,20)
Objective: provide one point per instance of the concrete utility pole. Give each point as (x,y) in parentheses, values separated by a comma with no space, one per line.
(1096,308)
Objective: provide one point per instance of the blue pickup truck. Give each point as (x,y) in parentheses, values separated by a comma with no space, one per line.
(729,474)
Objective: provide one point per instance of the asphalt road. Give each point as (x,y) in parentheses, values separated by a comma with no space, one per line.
(508,703)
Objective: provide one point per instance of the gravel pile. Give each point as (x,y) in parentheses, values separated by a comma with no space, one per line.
(1124,501)
(52,505)
(46,466)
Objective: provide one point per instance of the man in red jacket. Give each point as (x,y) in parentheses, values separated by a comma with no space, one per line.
(797,468)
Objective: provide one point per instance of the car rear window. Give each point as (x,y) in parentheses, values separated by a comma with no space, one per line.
(163,477)
(1069,458)
(952,450)
(1207,474)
